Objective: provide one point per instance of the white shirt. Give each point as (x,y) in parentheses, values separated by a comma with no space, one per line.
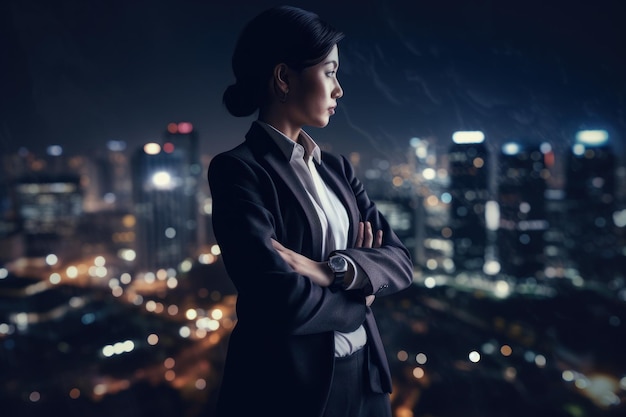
(331,212)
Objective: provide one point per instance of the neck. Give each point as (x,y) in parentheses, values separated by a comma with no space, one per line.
(279,122)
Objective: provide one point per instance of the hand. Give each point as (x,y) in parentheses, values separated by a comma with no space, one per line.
(318,272)
(366,238)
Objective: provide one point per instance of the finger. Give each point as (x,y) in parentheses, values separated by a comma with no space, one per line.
(368,236)
(277,245)
(359,236)
(369,300)
(378,240)
(283,251)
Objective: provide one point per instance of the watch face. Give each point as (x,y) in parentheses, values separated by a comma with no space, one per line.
(338,264)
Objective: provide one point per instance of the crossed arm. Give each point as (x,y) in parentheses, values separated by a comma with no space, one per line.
(319,272)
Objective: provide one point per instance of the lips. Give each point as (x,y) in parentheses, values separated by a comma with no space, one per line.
(331,110)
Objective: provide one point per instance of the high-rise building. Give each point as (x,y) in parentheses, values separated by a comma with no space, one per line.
(50,207)
(113,181)
(183,139)
(388,185)
(523,169)
(165,231)
(433,244)
(590,193)
(468,159)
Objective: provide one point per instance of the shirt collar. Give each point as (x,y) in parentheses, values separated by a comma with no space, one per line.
(291,149)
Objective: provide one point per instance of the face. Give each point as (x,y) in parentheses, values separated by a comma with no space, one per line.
(314,91)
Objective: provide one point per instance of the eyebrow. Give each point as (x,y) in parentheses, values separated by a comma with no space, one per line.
(331,62)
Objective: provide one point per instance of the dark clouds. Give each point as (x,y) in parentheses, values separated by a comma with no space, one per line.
(84,72)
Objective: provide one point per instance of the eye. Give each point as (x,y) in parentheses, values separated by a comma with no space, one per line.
(331,73)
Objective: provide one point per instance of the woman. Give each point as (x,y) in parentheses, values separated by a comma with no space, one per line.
(305,247)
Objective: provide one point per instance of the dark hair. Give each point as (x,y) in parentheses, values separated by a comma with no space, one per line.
(286,34)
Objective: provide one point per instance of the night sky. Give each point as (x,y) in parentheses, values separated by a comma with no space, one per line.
(84,72)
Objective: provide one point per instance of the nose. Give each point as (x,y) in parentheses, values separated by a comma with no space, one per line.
(337,91)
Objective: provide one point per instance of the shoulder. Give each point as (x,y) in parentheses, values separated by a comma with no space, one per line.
(248,163)
(228,163)
(241,151)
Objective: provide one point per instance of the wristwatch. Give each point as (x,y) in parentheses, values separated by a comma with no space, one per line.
(339,266)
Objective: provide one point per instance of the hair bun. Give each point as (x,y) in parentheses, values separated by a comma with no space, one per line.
(239,101)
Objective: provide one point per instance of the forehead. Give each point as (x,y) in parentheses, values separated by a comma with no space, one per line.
(333,55)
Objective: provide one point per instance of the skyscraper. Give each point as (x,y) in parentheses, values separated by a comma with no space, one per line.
(165,233)
(182,138)
(521,198)
(50,207)
(590,194)
(113,176)
(433,246)
(469,187)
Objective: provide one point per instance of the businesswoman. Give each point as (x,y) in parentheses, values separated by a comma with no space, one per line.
(304,245)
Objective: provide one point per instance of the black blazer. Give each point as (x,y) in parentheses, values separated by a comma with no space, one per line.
(285,322)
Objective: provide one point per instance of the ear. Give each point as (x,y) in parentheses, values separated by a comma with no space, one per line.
(281,78)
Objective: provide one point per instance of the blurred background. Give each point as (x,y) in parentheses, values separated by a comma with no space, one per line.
(490,133)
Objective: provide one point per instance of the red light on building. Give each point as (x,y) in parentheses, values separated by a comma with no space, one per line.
(548,159)
(168,147)
(172,128)
(185,127)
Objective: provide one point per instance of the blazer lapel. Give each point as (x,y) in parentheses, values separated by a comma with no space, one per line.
(266,150)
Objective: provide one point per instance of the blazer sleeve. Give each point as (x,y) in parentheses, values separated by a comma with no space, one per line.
(245,216)
(388,268)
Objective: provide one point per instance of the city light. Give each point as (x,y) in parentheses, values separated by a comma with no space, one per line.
(467,137)
(185,128)
(118,348)
(429,174)
(492,215)
(592,137)
(54,150)
(52,259)
(116,145)
(152,148)
(511,148)
(162,180)
(182,128)
(168,147)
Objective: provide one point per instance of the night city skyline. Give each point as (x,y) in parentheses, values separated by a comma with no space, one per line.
(490,134)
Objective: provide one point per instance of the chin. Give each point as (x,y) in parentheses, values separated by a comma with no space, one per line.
(322,123)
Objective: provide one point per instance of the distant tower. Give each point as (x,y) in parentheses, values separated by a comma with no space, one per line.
(433,245)
(113,179)
(469,188)
(590,195)
(165,234)
(523,217)
(50,207)
(184,139)
(394,197)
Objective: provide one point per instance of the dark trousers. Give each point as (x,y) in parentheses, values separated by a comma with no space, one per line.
(350,395)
